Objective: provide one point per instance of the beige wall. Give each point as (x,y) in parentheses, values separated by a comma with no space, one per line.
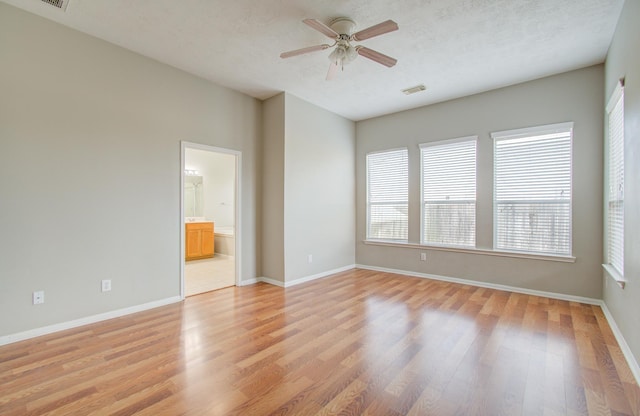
(319,190)
(623,60)
(90,171)
(574,96)
(308,187)
(273,188)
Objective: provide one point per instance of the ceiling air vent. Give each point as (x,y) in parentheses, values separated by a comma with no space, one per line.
(60,4)
(414,90)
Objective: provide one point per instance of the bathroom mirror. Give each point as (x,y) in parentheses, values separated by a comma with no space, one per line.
(193,206)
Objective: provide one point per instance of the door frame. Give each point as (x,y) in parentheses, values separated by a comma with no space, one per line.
(237,208)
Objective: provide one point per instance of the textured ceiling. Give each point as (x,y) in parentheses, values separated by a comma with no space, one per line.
(453,47)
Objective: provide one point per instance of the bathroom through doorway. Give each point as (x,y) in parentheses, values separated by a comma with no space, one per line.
(209,213)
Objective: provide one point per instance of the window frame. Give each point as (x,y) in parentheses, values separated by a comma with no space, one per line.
(524,133)
(423,203)
(368,204)
(616,98)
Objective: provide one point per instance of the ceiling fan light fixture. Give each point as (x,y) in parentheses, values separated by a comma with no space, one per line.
(341,31)
(351,54)
(343,54)
(337,54)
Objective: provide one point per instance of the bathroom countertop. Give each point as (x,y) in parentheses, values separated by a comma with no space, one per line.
(195,221)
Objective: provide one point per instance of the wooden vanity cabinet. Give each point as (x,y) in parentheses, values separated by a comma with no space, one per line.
(198,238)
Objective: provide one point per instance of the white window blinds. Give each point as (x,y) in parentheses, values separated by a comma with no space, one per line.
(532,189)
(388,195)
(449,192)
(615,194)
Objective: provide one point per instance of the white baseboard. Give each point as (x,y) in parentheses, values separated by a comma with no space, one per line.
(628,355)
(305,278)
(32,333)
(318,275)
(248,282)
(552,295)
(271,281)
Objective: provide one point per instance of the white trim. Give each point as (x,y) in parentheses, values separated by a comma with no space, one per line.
(448,141)
(32,333)
(305,278)
(514,289)
(535,130)
(181,254)
(615,96)
(478,251)
(237,232)
(613,273)
(395,149)
(626,351)
(249,282)
(209,148)
(271,281)
(318,275)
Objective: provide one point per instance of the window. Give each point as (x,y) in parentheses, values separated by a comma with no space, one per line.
(532,189)
(388,195)
(449,192)
(615,191)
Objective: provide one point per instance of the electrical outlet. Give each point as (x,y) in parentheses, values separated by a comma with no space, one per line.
(310,258)
(423,256)
(106,285)
(38,297)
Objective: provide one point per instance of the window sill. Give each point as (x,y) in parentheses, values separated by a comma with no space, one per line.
(613,273)
(468,250)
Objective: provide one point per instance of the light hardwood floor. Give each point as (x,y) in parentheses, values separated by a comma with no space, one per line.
(356,343)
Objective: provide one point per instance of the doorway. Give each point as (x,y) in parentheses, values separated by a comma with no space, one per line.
(209,218)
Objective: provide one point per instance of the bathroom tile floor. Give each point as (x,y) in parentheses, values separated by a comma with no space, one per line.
(209,274)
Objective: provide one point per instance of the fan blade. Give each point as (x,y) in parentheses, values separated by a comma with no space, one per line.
(321,27)
(333,69)
(375,30)
(303,51)
(376,56)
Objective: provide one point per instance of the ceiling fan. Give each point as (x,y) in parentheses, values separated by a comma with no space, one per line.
(341,31)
